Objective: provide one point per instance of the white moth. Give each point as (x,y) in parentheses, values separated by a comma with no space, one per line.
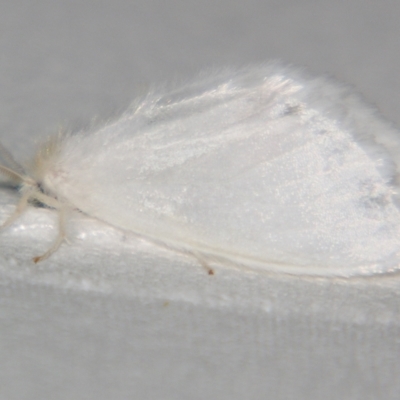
(263,167)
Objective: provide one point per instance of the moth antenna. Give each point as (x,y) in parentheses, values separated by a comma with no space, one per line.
(15,176)
(8,159)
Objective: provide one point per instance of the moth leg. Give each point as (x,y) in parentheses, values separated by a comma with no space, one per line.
(21,207)
(60,236)
(50,202)
(203,262)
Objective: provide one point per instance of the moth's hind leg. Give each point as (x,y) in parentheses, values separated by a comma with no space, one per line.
(61,236)
(62,211)
(199,257)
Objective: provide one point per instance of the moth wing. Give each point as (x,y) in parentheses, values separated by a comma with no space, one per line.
(262,166)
